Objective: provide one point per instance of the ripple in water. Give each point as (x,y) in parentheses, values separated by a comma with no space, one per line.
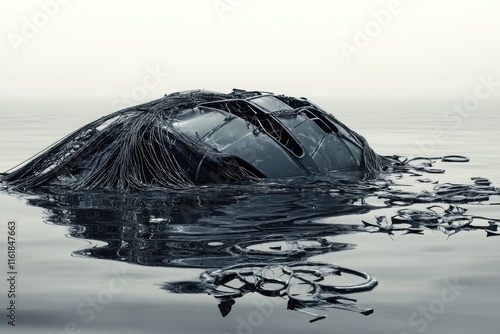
(259,237)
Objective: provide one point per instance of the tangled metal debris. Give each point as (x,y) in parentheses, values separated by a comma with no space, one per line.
(446,192)
(198,137)
(449,220)
(302,284)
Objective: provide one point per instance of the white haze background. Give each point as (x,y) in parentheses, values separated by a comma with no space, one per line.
(105,48)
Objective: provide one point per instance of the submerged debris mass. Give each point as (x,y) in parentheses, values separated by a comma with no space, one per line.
(195,137)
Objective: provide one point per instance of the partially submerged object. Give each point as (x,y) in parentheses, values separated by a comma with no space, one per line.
(197,137)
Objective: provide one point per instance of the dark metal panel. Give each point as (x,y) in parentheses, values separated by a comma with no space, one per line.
(245,141)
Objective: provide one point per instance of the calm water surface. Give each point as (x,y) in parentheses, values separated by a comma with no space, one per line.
(111,263)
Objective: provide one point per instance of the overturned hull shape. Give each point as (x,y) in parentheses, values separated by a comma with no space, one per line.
(197,137)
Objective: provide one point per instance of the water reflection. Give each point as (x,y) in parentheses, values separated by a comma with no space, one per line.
(448,220)
(209,227)
(259,237)
(254,235)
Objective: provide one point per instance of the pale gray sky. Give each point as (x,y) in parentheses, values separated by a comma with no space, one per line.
(111,47)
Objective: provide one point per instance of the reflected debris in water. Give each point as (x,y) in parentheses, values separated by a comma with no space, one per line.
(210,227)
(403,169)
(230,231)
(446,193)
(422,164)
(305,285)
(259,236)
(450,220)
(287,249)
